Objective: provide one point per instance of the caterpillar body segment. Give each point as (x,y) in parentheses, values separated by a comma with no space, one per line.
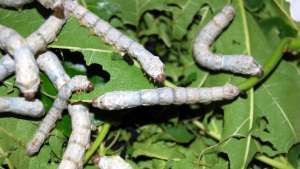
(112,162)
(37,41)
(27,72)
(7,67)
(14,3)
(51,4)
(241,64)
(79,139)
(77,83)
(45,34)
(164,96)
(151,64)
(50,64)
(19,105)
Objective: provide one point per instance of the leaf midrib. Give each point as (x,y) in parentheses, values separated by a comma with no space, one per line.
(251,92)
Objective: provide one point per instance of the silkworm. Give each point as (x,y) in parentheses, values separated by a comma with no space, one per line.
(77,83)
(7,66)
(79,139)
(50,64)
(37,41)
(14,3)
(50,4)
(241,64)
(27,72)
(111,162)
(19,105)
(45,34)
(150,64)
(164,96)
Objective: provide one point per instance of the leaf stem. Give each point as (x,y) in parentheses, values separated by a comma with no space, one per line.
(268,67)
(273,163)
(103,130)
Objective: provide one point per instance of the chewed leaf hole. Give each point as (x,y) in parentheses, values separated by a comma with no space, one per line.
(74,64)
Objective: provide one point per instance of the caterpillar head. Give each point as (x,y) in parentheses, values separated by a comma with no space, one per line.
(81,83)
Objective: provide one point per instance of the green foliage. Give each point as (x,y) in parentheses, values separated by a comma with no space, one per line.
(264,125)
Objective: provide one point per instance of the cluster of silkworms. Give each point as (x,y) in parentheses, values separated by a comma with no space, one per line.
(21,60)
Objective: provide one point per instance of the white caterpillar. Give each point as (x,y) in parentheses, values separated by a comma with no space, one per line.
(241,64)
(77,83)
(14,3)
(50,64)
(37,41)
(51,4)
(151,64)
(111,162)
(27,72)
(164,96)
(79,139)
(19,105)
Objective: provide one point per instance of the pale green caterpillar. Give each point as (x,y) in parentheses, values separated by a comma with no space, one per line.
(117,100)
(241,64)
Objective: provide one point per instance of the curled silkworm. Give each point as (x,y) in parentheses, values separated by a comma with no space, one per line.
(27,72)
(77,83)
(14,3)
(111,162)
(151,64)
(241,64)
(19,105)
(80,136)
(79,139)
(37,41)
(164,96)
(50,64)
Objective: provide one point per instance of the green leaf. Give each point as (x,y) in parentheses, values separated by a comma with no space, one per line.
(132,10)
(158,150)
(179,133)
(14,135)
(184,15)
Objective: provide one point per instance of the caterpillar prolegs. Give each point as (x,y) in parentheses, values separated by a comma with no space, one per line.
(19,105)
(27,72)
(241,64)
(164,96)
(79,139)
(151,64)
